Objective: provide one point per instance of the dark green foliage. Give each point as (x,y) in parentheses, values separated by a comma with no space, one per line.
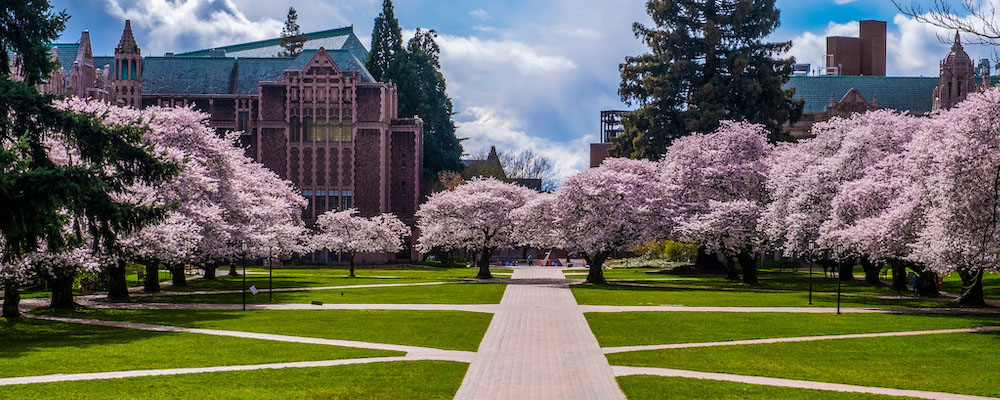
(421,87)
(387,43)
(708,62)
(292,39)
(37,194)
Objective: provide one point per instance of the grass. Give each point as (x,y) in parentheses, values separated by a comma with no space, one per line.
(30,347)
(955,363)
(450,330)
(646,328)
(642,387)
(392,380)
(622,295)
(457,293)
(991,284)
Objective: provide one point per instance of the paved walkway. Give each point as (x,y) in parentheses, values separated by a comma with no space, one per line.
(539,346)
(757,380)
(623,349)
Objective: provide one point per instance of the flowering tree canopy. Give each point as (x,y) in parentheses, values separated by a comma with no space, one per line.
(349,233)
(475,216)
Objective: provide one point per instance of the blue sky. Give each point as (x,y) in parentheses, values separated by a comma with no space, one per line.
(523,74)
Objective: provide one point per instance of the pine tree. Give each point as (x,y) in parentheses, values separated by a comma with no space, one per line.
(292,39)
(387,43)
(708,62)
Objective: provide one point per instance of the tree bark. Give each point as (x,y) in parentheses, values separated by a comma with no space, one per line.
(232,269)
(926,282)
(847,269)
(484,265)
(871,272)
(972,288)
(209,271)
(117,285)
(11,300)
(749,266)
(152,282)
(898,275)
(177,277)
(62,291)
(707,261)
(731,272)
(596,265)
(352,265)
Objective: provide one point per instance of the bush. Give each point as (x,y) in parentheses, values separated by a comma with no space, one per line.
(667,250)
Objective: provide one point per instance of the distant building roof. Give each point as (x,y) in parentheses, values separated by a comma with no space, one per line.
(913,94)
(333,39)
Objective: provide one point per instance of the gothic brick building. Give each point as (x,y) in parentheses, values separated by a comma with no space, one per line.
(318,120)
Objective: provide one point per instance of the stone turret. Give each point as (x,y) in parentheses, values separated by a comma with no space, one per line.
(127,79)
(82,76)
(957,79)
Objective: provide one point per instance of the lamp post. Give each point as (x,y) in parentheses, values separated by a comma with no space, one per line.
(840,267)
(270,270)
(810,260)
(243,246)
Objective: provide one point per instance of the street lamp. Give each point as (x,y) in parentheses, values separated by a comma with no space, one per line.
(840,268)
(243,246)
(270,270)
(809,258)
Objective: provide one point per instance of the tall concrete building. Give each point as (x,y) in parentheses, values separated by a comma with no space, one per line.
(864,55)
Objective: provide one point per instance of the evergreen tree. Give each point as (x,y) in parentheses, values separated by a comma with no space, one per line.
(38,195)
(708,62)
(387,43)
(292,39)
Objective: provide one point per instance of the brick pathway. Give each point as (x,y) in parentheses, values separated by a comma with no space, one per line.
(539,346)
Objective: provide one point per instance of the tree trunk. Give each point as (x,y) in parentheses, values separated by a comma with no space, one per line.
(847,269)
(596,265)
(11,300)
(749,266)
(898,276)
(731,272)
(871,272)
(232,269)
(117,285)
(177,277)
(352,265)
(972,288)
(927,283)
(707,261)
(152,282)
(62,291)
(209,271)
(484,265)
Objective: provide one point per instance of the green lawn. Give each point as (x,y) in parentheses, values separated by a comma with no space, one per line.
(690,327)
(963,363)
(621,295)
(32,347)
(307,276)
(455,293)
(393,380)
(451,330)
(991,284)
(646,387)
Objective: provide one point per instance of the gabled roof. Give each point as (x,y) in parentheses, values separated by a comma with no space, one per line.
(333,39)
(913,94)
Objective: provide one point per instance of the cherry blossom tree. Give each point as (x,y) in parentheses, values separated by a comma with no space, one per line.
(717,182)
(475,216)
(349,233)
(597,212)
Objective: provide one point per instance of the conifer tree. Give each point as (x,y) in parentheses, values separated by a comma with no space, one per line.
(292,38)
(387,43)
(708,62)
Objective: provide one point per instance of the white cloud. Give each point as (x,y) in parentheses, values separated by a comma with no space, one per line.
(173,25)
(842,2)
(809,48)
(485,127)
(470,52)
(481,14)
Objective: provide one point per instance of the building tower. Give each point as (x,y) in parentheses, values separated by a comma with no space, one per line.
(127,80)
(82,75)
(958,77)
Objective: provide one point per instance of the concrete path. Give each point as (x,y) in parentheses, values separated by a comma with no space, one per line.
(426,352)
(623,349)
(484,308)
(539,346)
(757,380)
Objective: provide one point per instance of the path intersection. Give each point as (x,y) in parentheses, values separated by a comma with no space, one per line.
(538,344)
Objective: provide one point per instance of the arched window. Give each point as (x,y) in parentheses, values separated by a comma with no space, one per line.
(132,71)
(294,130)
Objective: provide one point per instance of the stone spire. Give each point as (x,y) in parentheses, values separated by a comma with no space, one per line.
(127,44)
(958,43)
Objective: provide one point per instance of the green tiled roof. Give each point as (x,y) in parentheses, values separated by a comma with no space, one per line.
(333,39)
(913,94)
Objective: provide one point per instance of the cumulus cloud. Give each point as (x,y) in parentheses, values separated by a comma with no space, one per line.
(472,51)
(810,48)
(481,14)
(185,24)
(485,127)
